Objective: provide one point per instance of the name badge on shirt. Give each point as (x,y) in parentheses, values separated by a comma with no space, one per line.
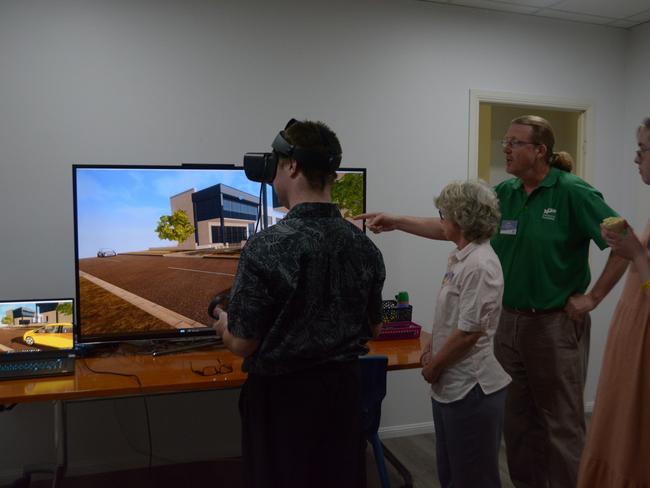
(508,227)
(447,278)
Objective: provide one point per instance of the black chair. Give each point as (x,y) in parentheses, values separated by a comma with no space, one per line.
(373,391)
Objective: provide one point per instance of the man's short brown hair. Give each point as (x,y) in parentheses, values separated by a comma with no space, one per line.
(316,136)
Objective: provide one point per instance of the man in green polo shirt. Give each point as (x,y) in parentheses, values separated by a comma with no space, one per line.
(549,216)
(544,238)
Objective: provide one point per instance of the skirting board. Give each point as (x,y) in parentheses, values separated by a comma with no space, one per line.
(406,430)
(427,427)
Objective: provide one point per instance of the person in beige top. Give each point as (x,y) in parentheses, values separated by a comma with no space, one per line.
(468,385)
(618,446)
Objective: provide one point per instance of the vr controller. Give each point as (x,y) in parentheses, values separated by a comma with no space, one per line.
(222,300)
(261,167)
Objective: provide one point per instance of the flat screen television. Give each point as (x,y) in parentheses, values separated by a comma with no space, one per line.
(155,244)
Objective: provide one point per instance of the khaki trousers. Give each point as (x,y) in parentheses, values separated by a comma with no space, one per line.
(544,426)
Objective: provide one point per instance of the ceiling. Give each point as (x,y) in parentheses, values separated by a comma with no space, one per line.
(616,13)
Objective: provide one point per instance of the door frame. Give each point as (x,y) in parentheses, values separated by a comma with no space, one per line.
(585,127)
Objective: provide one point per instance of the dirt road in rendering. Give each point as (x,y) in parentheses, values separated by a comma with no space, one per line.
(182,284)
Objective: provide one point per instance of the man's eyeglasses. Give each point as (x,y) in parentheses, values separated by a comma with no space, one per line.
(219,368)
(642,150)
(515,143)
(442,217)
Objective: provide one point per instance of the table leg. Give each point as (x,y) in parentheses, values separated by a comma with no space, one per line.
(401,469)
(60,442)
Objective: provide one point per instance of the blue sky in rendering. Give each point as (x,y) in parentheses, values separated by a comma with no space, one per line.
(31,305)
(119,208)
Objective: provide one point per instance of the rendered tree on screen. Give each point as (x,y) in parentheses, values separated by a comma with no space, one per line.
(347,193)
(175,227)
(64,308)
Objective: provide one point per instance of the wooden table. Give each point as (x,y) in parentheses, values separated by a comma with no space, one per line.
(166,374)
(126,374)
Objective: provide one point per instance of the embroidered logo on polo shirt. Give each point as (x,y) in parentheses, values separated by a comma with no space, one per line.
(549,213)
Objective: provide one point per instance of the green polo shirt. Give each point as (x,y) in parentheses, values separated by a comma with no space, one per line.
(543,240)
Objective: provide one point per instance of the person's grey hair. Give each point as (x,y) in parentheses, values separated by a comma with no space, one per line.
(473,205)
(645,124)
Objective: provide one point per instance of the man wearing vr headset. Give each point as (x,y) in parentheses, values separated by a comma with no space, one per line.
(305,300)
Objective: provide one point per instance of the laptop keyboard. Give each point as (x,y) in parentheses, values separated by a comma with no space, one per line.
(36,367)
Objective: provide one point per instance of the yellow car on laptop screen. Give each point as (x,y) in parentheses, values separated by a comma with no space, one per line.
(58,336)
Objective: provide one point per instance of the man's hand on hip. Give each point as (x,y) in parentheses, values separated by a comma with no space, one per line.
(578,305)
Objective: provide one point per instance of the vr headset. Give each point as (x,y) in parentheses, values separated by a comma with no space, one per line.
(261,167)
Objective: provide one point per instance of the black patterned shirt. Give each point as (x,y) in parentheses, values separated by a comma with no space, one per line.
(308,288)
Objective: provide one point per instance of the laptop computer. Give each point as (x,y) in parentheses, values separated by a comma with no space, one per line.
(36,338)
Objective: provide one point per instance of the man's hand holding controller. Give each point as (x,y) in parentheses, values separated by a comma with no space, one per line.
(218,313)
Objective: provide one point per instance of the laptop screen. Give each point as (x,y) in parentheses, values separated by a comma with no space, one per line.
(36,326)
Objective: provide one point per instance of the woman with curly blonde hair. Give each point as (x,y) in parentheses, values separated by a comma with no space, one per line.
(468,385)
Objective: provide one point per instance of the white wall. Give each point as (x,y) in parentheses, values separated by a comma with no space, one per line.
(144,81)
(637,108)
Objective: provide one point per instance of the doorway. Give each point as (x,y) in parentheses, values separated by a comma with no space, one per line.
(490,116)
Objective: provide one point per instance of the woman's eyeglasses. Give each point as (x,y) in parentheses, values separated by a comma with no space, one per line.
(212,370)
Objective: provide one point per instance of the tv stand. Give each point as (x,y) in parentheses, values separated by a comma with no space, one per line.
(95,349)
(172,347)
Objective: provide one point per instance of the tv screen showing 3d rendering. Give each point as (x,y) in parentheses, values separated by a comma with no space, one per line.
(155,244)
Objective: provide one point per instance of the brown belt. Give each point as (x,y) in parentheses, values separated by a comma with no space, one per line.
(531,312)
